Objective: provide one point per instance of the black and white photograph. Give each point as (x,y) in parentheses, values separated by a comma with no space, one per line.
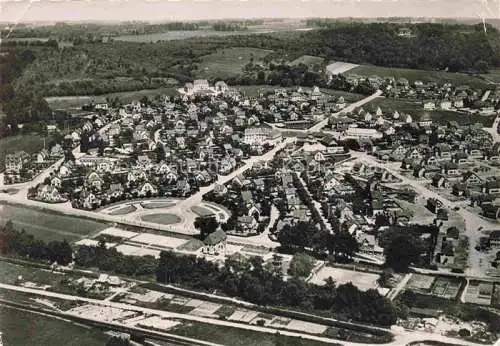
(250,173)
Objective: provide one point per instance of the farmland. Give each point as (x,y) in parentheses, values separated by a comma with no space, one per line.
(308,60)
(226,63)
(48,226)
(29,143)
(422,75)
(24,328)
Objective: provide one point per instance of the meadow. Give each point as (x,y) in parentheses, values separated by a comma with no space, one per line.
(228,62)
(49,226)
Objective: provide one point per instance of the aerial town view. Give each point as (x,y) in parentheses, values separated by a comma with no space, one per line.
(249,179)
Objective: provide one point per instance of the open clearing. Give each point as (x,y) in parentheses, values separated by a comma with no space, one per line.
(163,219)
(308,60)
(362,280)
(29,143)
(422,75)
(229,62)
(48,226)
(25,328)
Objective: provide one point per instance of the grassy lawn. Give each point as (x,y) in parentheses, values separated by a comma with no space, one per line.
(76,102)
(239,337)
(415,108)
(228,62)
(48,226)
(126,209)
(423,75)
(155,205)
(163,219)
(24,328)
(202,211)
(308,60)
(29,143)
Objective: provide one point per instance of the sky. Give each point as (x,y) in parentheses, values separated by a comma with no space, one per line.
(154,10)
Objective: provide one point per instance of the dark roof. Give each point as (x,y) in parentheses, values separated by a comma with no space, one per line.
(215,237)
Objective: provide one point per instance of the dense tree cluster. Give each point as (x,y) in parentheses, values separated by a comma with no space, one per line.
(111,260)
(262,286)
(14,242)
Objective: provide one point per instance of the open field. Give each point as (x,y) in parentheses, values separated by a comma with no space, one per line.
(228,62)
(416,109)
(25,328)
(238,337)
(48,226)
(422,75)
(362,280)
(29,143)
(182,35)
(163,219)
(308,60)
(340,67)
(76,102)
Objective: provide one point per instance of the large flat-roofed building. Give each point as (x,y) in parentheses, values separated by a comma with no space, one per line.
(261,135)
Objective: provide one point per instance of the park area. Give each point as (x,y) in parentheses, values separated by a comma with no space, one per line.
(162,219)
(48,226)
(364,281)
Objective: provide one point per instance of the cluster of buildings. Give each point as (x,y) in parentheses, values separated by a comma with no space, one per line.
(21,166)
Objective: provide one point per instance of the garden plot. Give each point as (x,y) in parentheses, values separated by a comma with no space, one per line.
(149,296)
(130,250)
(307,327)
(206,309)
(362,280)
(242,315)
(158,322)
(118,232)
(102,313)
(194,303)
(445,288)
(421,283)
(159,240)
(479,293)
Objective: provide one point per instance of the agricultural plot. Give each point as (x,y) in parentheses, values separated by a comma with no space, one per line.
(49,226)
(229,62)
(420,283)
(479,293)
(447,288)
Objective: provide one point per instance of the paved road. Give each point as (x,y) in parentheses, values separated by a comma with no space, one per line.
(401,284)
(401,337)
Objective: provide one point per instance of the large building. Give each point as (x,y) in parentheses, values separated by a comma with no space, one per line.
(200,86)
(261,135)
(15,162)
